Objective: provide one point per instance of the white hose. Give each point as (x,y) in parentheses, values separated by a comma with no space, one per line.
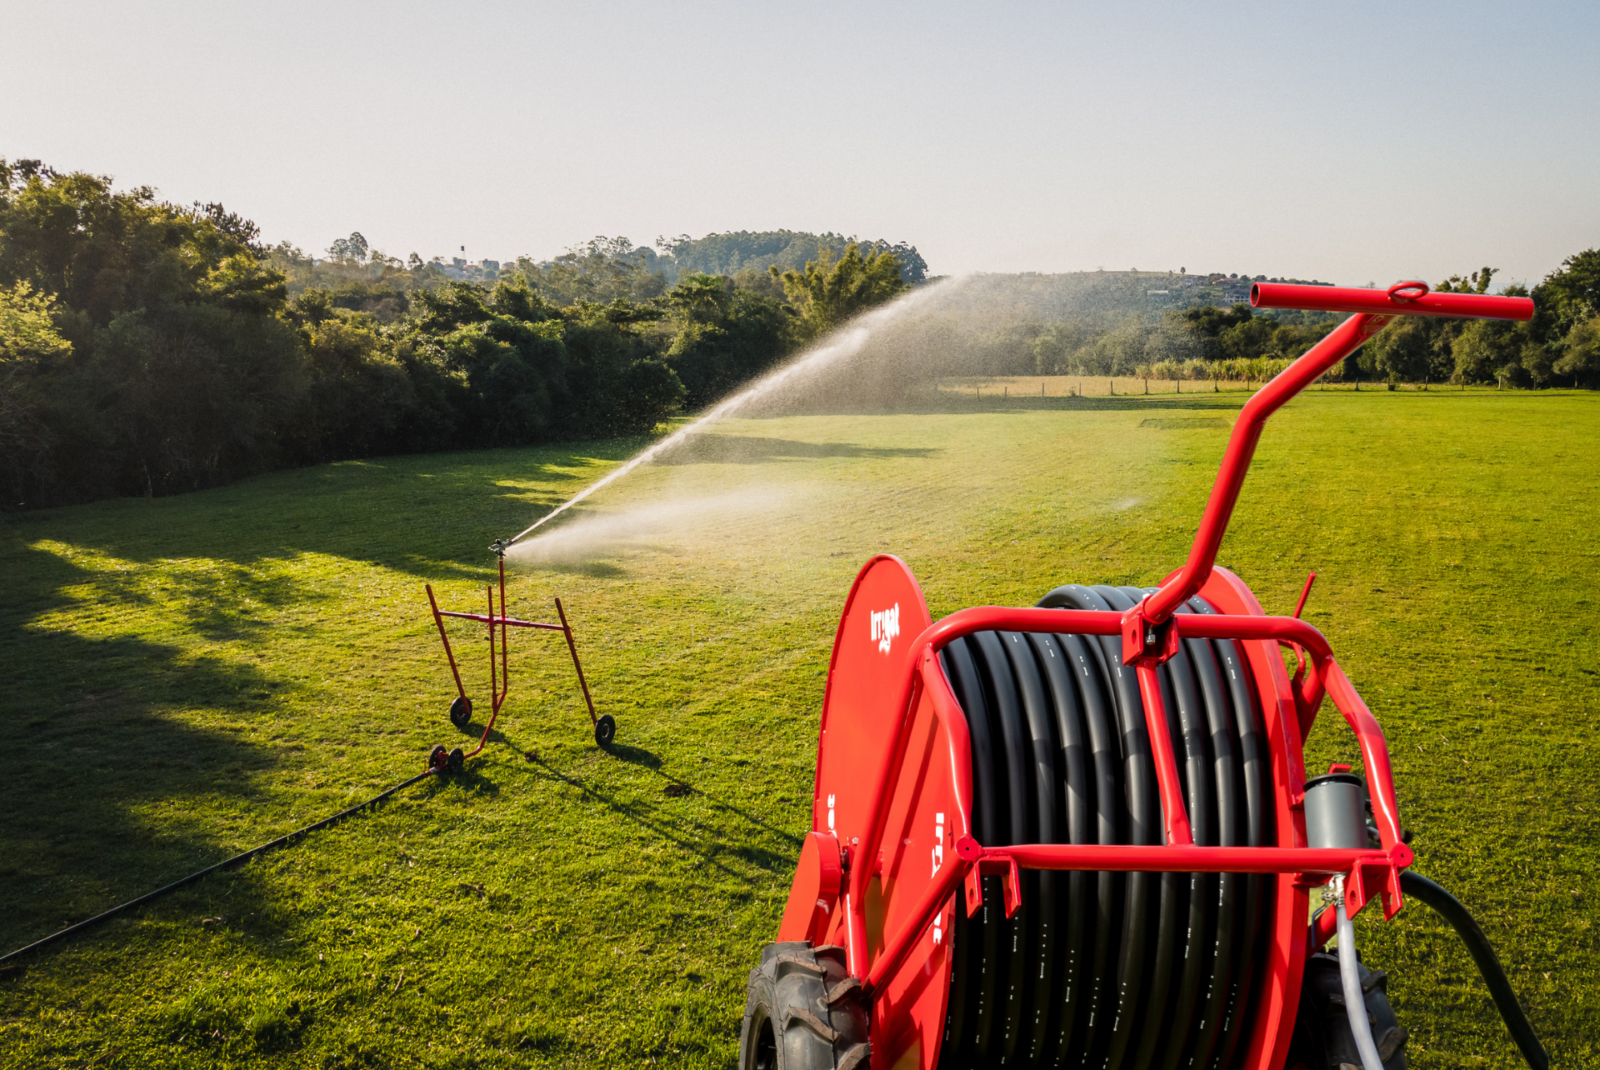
(1350,978)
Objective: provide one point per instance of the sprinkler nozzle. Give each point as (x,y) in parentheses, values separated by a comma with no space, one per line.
(499,547)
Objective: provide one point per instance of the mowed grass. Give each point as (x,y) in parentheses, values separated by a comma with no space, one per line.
(186,677)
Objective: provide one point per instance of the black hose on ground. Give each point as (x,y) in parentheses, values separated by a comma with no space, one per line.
(1449,907)
(226,863)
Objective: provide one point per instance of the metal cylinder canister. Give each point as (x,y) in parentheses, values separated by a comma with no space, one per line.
(1336,814)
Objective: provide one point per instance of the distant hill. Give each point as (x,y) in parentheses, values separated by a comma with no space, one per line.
(1068,294)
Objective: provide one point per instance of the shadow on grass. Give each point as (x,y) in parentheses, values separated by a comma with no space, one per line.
(102,778)
(711,843)
(430,515)
(648,760)
(71,844)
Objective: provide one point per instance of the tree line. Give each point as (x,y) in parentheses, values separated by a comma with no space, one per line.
(1560,346)
(148,348)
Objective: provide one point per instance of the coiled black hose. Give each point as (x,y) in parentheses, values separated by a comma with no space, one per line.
(1449,907)
(1107,970)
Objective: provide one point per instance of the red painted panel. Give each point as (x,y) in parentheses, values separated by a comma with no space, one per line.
(814,895)
(918,843)
(884,613)
(883,616)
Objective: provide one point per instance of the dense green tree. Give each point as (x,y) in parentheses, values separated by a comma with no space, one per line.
(531,371)
(1572,293)
(1118,351)
(351,250)
(379,285)
(181,372)
(507,354)
(1481,350)
(29,346)
(1056,345)
(102,253)
(27,326)
(1580,353)
(190,396)
(829,292)
(1210,321)
(1475,283)
(789,250)
(1403,352)
(601,271)
(722,335)
(361,398)
(1252,337)
(624,389)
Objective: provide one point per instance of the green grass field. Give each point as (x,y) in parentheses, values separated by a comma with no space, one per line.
(183,678)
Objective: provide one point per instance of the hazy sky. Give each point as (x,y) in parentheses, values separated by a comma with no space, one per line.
(1347,142)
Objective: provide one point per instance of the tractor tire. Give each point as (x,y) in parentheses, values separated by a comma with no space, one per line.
(803,1011)
(1322,1038)
(605,730)
(461,711)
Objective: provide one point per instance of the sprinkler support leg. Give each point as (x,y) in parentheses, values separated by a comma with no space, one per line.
(448,653)
(566,629)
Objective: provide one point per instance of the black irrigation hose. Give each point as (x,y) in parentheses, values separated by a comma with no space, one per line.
(191,878)
(1449,907)
(973,999)
(1110,970)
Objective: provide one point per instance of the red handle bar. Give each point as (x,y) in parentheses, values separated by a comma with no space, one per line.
(1373,309)
(1405,299)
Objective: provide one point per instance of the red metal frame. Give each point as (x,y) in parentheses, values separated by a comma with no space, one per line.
(500,676)
(850,900)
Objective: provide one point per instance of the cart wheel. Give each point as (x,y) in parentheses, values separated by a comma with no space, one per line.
(802,1004)
(456,760)
(461,711)
(605,729)
(438,759)
(1322,1039)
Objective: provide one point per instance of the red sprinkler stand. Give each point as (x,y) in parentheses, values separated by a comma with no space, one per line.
(499,669)
(894,835)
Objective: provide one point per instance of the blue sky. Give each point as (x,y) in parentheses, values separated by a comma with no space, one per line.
(1347,142)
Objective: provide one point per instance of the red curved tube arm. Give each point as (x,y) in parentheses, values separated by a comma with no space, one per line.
(1392,302)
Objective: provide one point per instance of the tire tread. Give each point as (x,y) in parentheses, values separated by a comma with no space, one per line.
(812,1006)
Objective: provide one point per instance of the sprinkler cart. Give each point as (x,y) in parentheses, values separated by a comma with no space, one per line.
(1082,834)
(442,760)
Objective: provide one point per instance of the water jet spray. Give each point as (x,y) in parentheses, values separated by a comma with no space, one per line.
(847,342)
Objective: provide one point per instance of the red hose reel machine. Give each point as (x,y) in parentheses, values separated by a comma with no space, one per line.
(902,912)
